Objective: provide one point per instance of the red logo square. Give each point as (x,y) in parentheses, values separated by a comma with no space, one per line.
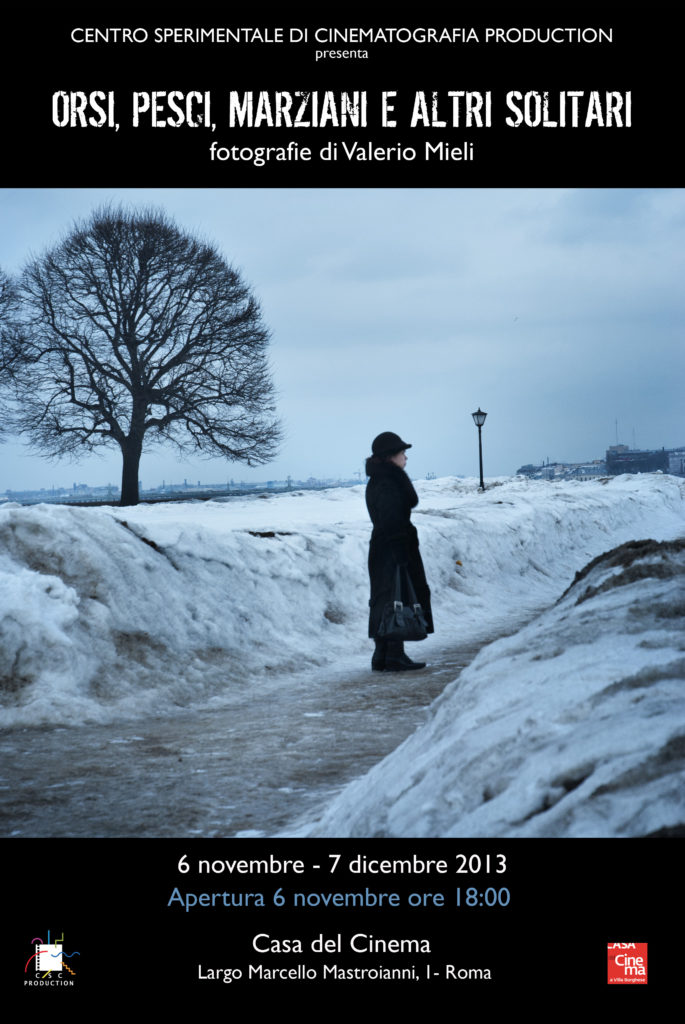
(627,963)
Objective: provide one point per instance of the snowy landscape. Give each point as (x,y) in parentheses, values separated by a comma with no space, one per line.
(571,722)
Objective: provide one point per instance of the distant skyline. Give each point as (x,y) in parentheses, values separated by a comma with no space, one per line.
(557,311)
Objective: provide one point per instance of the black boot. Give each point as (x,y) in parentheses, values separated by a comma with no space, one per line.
(378,658)
(397,661)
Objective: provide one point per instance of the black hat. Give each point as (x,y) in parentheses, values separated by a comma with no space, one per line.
(388,444)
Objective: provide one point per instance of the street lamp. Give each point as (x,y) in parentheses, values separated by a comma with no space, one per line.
(479,420)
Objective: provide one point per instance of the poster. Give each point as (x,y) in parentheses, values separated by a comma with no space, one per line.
(344,101)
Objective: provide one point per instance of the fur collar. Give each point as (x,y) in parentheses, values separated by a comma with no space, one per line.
(378,471)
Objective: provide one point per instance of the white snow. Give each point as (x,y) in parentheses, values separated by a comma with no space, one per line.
(574,726)
(109,613)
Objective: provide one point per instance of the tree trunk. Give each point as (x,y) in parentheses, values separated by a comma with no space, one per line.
(131,453)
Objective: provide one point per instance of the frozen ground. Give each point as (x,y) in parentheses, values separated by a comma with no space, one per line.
(247,768)
(121,622)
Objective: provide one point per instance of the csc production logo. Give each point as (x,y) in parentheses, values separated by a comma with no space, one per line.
(49,964)
(627,963)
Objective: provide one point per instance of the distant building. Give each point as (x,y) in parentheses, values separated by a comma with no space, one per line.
(676,461)
(621,459)
(588,470)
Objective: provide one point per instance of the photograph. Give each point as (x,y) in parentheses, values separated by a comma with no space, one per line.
(258,404)
(342,531)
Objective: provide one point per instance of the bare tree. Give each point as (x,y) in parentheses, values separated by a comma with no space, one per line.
(134,332)
(8,344)
(7,300)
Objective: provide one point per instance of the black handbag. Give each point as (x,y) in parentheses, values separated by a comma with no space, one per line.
(400,620)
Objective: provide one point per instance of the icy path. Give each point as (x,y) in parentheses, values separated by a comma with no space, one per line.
(253,767)
(572,727)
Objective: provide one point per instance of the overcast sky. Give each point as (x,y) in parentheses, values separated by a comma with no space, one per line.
(557,311)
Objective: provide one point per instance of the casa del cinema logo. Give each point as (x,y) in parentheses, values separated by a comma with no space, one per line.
(627,963)
(49,964)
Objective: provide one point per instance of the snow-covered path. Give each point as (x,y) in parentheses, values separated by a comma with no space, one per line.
(203,669)
(252,767)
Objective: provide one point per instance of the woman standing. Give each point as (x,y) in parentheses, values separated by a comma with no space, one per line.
(390,497)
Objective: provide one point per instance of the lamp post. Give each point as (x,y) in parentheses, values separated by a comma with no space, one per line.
(479,420)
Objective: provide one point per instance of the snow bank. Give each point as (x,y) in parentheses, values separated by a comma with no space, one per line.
(127,612)
(573,727)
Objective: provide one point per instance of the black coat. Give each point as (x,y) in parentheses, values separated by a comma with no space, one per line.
(390,497)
